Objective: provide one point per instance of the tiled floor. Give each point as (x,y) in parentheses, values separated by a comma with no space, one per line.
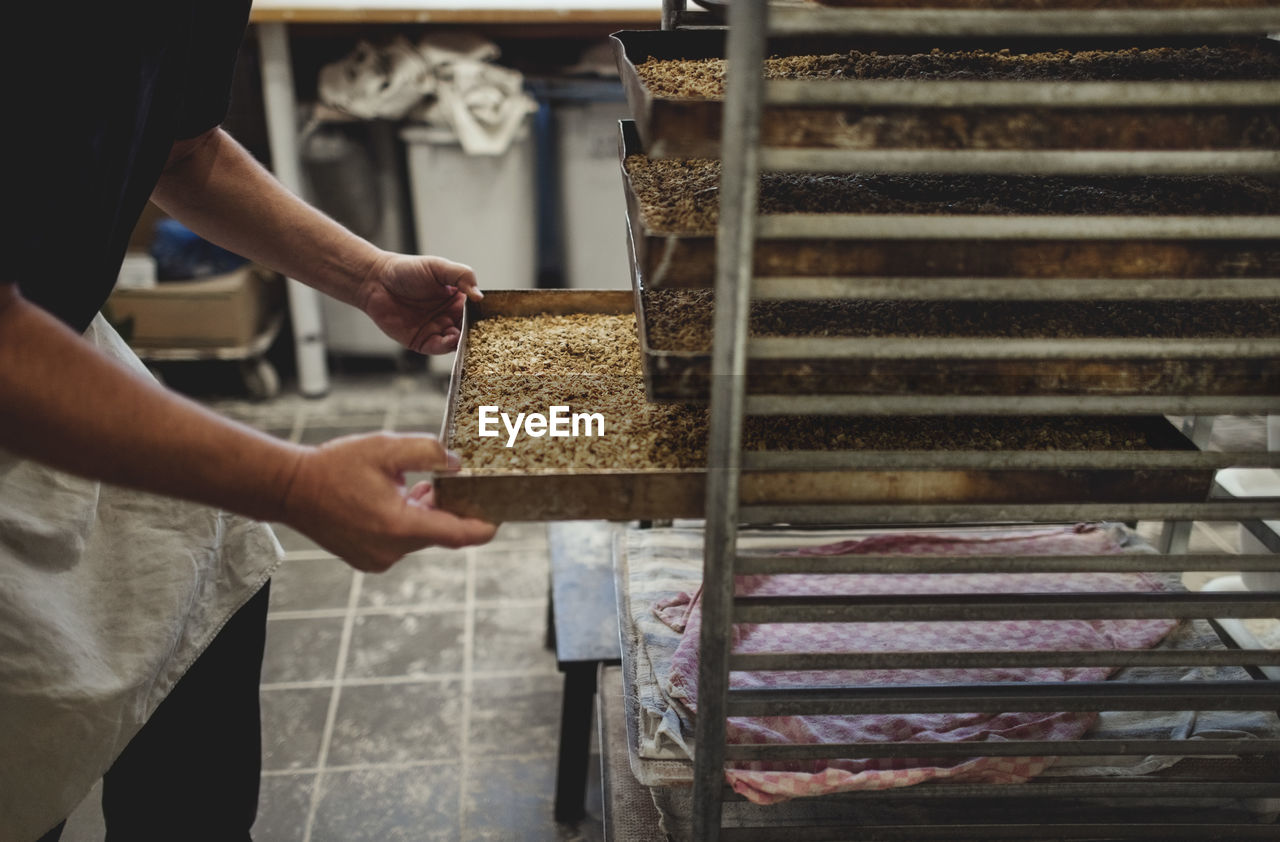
(421,704)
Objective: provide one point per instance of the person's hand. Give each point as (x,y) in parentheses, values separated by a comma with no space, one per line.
(348,496)
(418,301)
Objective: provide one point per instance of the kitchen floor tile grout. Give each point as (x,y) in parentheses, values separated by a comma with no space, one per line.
(331,715)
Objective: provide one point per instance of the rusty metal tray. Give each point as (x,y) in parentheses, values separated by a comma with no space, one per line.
(1190,117)
(1216,370)
(602,495)
(1029,247)
(957,477)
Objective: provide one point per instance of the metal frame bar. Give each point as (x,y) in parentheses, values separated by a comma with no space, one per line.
(1005,348)
(854,226)
(1013,748)
(1114,787)
(793,20)
(671,11)
(1015,289)
(963,607)
(753,565)
(1020,696)
(1015,831)
(1107,460)
(836,404)
(735,247)
(1010,94)
(765,662)
(1256,508)
(1024,161)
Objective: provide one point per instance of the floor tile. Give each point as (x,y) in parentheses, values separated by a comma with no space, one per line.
(416,644)
(311,584)
(417,804)
(512,574)
(397,723)
(515,715)
(511,638)
(435,577)
(292,727)
(283,805)
(512,801)
(301,650)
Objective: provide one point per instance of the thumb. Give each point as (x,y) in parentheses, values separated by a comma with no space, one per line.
(421,452)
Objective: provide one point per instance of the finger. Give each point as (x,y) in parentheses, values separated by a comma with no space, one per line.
(449,530)
(442,343)
(421,493)
(464,278)
(420,452)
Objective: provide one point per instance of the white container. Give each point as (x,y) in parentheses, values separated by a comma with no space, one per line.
(478,210)
(593,203)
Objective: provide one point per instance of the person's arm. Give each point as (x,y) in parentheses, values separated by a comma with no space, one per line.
(216,188)
(67,405)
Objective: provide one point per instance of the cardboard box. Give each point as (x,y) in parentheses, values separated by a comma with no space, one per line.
(225,311)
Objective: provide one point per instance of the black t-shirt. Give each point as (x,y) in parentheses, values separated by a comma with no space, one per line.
(97,98)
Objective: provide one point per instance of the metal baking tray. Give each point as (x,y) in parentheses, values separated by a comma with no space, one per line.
(1187,117)
(1217,371)
(1031,248)
(1209,368)
(603,495)
(660,494)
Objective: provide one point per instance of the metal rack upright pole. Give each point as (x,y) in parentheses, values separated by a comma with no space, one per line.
(735,247)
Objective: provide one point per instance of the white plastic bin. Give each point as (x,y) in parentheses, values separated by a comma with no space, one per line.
(593,204)
(477,210)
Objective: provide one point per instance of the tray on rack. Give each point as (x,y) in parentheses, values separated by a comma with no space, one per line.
(917,100)
(625,484)
(1213,367)
(916,231)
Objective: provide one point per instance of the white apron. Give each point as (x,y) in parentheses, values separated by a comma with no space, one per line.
(107,596)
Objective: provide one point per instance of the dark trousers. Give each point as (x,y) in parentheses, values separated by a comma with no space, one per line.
(192,772)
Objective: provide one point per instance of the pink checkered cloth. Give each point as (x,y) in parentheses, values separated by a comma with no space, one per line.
(767,783)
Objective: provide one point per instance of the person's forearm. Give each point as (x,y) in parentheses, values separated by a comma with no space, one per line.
(67,405)
(216,188)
